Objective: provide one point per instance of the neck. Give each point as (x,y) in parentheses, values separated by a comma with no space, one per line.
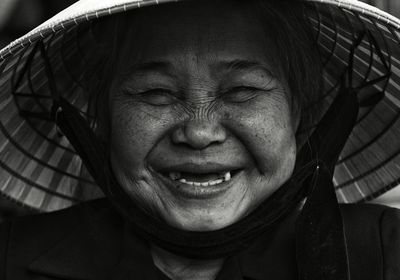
(181,268)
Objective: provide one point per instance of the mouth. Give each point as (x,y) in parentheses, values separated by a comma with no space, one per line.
(199,185)
(201,179)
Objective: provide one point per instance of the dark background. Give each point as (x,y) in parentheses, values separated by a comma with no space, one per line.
(17,17)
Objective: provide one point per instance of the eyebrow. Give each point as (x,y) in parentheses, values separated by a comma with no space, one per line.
(164,67)
(244,65)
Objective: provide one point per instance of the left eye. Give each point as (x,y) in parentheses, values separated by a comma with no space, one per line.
(240,94)
(158,97)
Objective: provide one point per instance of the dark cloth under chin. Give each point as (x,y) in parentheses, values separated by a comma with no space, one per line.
(92,241)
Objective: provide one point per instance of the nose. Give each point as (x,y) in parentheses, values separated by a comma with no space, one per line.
(199,134)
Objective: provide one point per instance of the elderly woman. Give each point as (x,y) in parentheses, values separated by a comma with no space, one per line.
(213,128)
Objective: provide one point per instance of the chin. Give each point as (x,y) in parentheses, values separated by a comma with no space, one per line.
(200,219)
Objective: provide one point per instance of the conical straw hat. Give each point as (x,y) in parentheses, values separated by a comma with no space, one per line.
(40,169)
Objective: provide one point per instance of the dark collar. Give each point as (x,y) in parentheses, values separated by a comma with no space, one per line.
(272,256)
(100,248)
(89,250)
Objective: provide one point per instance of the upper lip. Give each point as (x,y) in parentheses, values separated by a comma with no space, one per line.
(189,167)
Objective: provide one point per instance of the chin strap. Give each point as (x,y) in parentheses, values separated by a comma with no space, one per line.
(320,239)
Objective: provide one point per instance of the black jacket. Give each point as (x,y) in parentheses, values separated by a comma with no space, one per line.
(91,241)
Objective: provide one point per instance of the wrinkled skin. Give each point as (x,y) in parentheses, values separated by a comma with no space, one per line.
(196,91)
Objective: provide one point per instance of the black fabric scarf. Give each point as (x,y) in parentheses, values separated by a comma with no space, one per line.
(320,241)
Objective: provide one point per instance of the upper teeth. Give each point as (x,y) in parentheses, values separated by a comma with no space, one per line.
(177,176)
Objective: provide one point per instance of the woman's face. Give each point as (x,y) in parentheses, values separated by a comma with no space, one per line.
(201,126)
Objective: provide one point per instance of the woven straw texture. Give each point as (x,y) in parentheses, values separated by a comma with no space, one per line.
(40,169)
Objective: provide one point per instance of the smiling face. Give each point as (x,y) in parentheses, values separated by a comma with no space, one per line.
(201,127)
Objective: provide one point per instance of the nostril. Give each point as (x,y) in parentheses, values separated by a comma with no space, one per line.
(199,135)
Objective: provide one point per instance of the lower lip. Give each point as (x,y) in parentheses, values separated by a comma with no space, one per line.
(198,192)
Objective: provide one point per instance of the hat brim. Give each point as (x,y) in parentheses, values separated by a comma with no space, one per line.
(40,169)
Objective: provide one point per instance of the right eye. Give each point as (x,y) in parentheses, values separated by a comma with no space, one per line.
(157,97)
(240,94)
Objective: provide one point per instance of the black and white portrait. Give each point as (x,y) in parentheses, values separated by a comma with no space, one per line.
(199,139)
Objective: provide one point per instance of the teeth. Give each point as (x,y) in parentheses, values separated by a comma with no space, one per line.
(176,176)
(227,176)
(219,181)
(202,184)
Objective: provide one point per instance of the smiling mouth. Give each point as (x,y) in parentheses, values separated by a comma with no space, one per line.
(198,182)
(201,179)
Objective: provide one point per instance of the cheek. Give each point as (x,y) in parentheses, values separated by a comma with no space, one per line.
(134,133)
(267,131)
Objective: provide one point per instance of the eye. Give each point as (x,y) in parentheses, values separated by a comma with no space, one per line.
(240,93)
(157,97)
